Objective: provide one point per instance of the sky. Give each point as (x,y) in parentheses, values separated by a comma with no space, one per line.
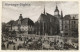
(33,9)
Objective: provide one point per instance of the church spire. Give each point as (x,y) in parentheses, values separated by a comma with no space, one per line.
(61,14)
(44,9)
(56,9)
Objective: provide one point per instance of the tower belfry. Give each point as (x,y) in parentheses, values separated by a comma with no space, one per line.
(56,12)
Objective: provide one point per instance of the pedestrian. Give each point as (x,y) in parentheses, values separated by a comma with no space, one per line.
(14,47)
(7,45)
(18,47)
(3,46)
(16,39)
(20,39)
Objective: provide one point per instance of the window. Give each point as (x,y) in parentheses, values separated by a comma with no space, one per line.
(73,22)
(73,17)
(66,33)
(65,26)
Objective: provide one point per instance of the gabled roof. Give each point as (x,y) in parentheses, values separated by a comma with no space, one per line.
(25,21)
(15,23)
(70,16)
(67,17)
(47,18)
(42,17)
(30,22)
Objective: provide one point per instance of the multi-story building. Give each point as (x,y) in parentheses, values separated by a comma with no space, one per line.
(74,25)
(48,24)
(23,25)
(66,25)
(70,25)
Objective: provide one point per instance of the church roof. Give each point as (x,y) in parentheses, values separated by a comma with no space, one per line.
(47,18)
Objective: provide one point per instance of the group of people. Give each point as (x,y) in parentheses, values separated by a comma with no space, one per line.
(31,43)
(6,46)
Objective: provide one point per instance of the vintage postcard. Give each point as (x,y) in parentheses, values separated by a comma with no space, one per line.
(40,25)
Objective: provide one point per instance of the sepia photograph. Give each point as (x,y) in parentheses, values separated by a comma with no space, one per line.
(40,25)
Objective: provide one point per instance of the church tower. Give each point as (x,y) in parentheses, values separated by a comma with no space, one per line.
(20,19)
(56,12)
(19,22)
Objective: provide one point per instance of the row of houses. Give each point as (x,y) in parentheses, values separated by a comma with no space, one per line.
(47,24)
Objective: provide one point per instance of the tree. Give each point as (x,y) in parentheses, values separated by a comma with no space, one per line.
(3,27)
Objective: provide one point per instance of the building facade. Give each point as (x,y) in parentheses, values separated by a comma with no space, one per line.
(22,25)
(74,25)
(70,24)
(48,24)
